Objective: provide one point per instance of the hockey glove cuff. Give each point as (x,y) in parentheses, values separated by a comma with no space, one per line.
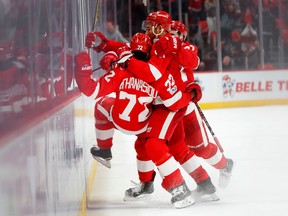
(167,45)
(107,60)
(195,90)
(122,52)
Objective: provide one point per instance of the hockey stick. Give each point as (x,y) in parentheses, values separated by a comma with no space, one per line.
(96,15)
(209,127)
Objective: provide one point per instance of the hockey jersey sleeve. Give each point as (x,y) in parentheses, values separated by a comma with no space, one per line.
(171,95)
(152,70)
(113,46)
(100,43)
(83,72)
(107,84)
(144,70)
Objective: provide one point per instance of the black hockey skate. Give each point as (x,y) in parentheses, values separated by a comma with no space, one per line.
(205,192)
(103,156)
(226,173)
(141,191)
(181,196)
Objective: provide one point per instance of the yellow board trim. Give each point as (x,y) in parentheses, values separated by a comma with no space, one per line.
(82,211)
(84,112)
(90,184)
(91,178)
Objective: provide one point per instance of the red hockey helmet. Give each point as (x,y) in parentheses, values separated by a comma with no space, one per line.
(160,17)
(179,28)
(141,42)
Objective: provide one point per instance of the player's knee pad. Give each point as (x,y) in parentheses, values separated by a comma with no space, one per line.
(102,108)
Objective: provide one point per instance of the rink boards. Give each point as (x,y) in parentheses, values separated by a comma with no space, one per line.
(243,88)
(43,169)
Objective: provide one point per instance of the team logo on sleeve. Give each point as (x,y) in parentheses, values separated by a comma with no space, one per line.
(86,67)
(173,90)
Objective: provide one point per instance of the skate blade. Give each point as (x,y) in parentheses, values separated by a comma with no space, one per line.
(105,162)
(205,197)
(144,197)
(184,203)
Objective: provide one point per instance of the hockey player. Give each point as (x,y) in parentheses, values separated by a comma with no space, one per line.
(158,25)
(195,132)
(129,112)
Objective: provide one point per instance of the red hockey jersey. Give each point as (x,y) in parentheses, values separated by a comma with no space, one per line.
(134,97)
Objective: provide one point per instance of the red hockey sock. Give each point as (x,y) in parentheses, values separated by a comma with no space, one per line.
(173,180)
(146,176)
(199,175)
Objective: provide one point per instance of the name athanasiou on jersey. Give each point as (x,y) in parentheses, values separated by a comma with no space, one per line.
(139,85)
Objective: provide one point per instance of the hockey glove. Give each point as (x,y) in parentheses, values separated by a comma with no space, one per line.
(96,40)
(83,64)
(167,45)
(107,60)
(195,90)
(122,52)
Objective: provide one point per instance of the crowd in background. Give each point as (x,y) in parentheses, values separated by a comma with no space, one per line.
(36,58)
(240,30)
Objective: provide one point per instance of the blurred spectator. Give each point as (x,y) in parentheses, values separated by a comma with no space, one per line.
(60,55)
(13,60)
(284,35)
(201,67)
(196,13)
(227,55)
(250,47)
(210,8)
(233,57)
(122,18)
(139,14)
(227,63)
(270,32)
(175,8)
(225,4)
(230,20)
(113,33)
